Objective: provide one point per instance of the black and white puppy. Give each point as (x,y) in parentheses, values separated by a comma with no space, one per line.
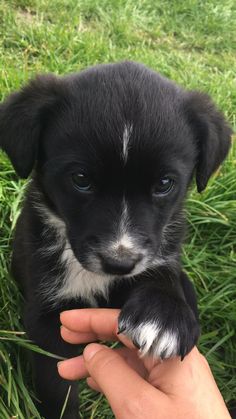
(112,150)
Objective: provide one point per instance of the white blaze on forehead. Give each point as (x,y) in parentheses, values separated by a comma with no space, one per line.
(126,137)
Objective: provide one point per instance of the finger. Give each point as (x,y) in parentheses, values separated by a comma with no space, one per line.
(118,381)
(72,369)
(83,337)
(77,337)
(101,322)
(91,325)
(133,360)
(75,369)
(93,385)
(174,374)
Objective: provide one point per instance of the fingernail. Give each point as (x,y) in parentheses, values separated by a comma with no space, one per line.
(91,350)
(58,364)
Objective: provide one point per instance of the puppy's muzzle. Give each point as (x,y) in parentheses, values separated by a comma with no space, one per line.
(122,265)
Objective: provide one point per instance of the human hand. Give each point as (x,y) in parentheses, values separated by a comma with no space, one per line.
(134,387)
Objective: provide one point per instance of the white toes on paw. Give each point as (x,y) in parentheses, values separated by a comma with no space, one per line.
(153,340)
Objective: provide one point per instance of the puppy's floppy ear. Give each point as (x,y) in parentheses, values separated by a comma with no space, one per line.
(22,117)
(212,135)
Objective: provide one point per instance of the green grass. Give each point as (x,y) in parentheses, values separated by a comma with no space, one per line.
(190,41)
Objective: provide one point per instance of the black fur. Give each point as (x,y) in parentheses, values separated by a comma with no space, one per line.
(76,124)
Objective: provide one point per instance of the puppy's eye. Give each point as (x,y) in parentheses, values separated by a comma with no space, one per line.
(163,186)
(81,182)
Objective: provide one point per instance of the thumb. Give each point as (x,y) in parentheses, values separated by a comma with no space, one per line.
(125,390)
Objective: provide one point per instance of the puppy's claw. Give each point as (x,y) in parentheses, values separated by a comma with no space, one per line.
(183,353)
(136,344)
(142,346)
(120,330)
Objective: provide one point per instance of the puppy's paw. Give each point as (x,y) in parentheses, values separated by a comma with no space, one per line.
(164,327)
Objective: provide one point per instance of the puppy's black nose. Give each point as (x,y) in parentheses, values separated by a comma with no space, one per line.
(119,266)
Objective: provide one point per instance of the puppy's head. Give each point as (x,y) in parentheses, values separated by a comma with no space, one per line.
(114,149)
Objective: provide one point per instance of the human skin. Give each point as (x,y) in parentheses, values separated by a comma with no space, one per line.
(138,387)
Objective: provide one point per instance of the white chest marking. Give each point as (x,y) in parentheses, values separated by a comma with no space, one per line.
(75,281)
(78,282)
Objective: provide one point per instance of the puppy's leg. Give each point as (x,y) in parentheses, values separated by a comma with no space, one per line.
(189,293)
(159,320)
(51,390)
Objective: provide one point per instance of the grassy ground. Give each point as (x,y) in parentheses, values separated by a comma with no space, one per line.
(194,43)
